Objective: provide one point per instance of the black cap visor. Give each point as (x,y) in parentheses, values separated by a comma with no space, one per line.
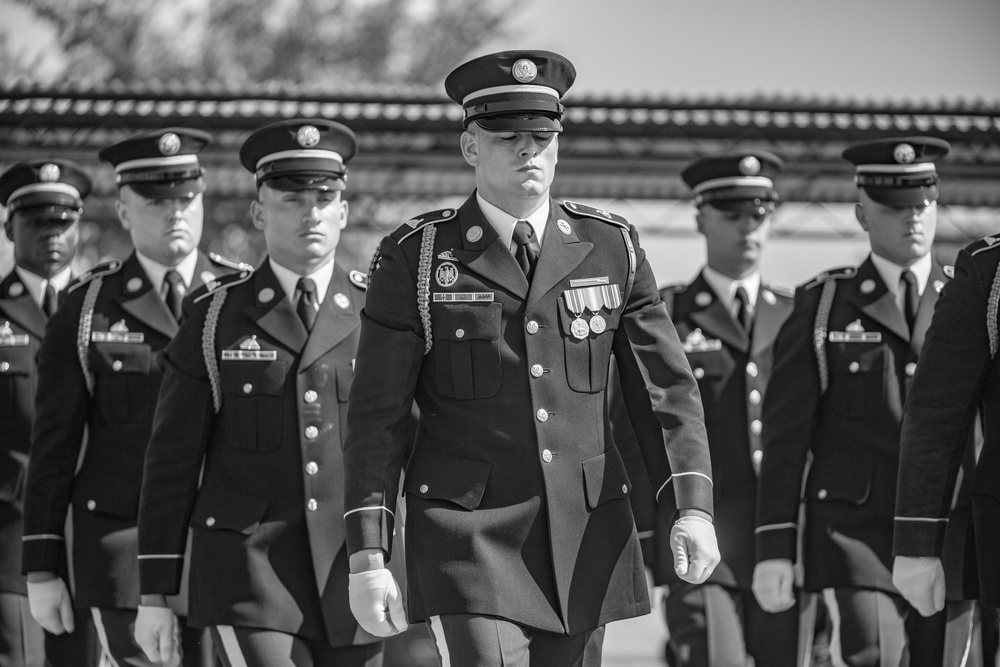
(741,198)
(185,189)
(520,123)
(42,200)
(903,197)
(299,182)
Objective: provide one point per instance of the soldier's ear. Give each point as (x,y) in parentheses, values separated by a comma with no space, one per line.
(8,229)
(122,210)
(470,148)
(861,215)
(699,219)
(343,212)
(257,213)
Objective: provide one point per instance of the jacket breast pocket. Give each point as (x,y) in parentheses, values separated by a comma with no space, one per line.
(454,479)
(122,384)
(219,509)
(711,369)
(587,341)
(251,403)
(604,478)
(16,364)
(467,350)
(107,495)
(858,374)
(847,482)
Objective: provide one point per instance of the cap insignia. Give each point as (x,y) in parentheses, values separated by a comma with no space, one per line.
(524,70)
(119,327)
(307,136)
(749,166)
(250,343)
(904,154)
(170,144)
(49,173)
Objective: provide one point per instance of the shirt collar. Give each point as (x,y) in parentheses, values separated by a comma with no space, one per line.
(725,287)
(503,222)
(156,271)
(35,284)
(288,279)
(891,272)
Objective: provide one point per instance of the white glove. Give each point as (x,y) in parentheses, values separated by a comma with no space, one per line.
(51,605)
(376,602)
(772,584)
(695,549)
(921,582)
(158,634)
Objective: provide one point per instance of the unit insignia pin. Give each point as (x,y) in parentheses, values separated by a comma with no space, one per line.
(938,285)
(16,290)
(265,295)
(868,286)
(474,234)
(341,300)
(564,227)
(703,299)
(769,297)
(134,284)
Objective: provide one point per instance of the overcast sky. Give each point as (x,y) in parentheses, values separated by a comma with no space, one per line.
(857,49)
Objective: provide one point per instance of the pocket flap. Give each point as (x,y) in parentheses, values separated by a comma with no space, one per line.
(439,476)
(109,495)
(120,357)
(16,360)
(853,488)
(605,478)
(222,509)
(712,364)
(463,322)
(250,378)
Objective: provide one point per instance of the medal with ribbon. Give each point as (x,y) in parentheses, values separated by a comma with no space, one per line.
(592,299)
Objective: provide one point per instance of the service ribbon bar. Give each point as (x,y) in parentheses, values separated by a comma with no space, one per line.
(117,337)
(14,340)
(463,297)
(855,337)
(249,355)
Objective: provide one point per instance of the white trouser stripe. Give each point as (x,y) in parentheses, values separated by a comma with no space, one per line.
(442,644)
(836,651)
(231,645)
(107,660)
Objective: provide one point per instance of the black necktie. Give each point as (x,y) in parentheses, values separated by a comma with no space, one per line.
(307,306)
(526,252)
(911,299)
(50,301)
(173,296)
(743,308)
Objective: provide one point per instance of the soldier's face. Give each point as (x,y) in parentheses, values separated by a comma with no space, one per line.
(900,235)
(511,164)
(302,228)
(165,230)
(734,240)
(42,245)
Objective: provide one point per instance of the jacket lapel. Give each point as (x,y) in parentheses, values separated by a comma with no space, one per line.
(875,299)
(768,318)
(925,311)
(712,317)
(141,300)
(19,307)
(337,319)
(561,253)
(273,311)
(486,255)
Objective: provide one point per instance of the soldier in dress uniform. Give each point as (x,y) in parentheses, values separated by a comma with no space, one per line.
(98,377)
(253,405)
(44,201)
(728,319)
(956,387)
(843,366)
(500,318)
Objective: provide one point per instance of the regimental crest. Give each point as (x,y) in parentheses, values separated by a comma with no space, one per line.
(169,144)
(749,166)
(524,70)
(904,154)
(49,173)
(307,136)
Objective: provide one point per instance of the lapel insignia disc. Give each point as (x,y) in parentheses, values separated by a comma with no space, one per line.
(703,299)
(16,290)
(867,286)
(265,295)
(474,234)
(134,284)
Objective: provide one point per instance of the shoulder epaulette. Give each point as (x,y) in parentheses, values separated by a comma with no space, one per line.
(359,279)
(832,274)
(780,290)
(227,263)
(221,283)
(416,224)
(99,271)
(987,243)
(577,208)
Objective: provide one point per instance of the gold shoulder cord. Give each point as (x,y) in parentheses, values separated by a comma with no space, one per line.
(991,314)
(424,283)
(83,331)
(820,331)
(208,347)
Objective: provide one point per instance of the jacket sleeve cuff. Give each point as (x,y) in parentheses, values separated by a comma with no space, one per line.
(776,541)
(918,537)
(160,574)
(369,528)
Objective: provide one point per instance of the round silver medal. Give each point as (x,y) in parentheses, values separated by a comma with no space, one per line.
(597,324)
(579,328)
